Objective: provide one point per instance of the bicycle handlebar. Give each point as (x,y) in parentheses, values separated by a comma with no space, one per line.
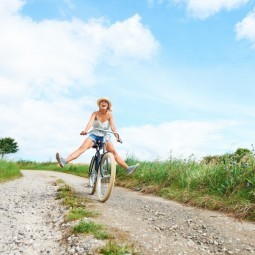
(107,131)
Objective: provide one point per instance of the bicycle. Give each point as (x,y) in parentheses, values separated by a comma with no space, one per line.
(102,170)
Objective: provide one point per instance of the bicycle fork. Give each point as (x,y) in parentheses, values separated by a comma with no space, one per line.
(97,162)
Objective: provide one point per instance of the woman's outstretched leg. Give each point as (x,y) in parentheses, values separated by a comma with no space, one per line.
(88,143)
(119,160)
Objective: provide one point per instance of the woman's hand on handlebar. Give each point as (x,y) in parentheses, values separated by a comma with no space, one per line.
(117,136)
(83,133)
(119,140)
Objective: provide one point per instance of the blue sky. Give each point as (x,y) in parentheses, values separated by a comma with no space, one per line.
(180,75)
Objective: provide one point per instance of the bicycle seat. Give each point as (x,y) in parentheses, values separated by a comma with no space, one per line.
(98,145)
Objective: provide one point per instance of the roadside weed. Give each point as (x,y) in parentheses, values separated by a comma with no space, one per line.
(112,248)
(91,227)
(79,213)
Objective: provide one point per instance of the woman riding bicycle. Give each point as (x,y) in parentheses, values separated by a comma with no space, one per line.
(101,119)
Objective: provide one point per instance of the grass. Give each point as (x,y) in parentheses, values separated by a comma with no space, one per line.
(75,203)
(89,226)
(112,248)
(79,213)
(79,169)
(9,171)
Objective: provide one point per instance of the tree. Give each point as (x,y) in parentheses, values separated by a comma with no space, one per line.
(8,145)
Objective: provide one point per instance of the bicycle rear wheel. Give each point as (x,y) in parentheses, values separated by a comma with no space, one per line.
(106,177)
(92,177)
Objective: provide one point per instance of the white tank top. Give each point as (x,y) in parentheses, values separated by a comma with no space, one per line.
(101,125)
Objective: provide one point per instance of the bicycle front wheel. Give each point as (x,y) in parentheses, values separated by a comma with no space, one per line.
(92,177)
(106,177)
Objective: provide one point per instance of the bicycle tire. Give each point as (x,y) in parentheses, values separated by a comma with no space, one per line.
(106,177)
(92,175)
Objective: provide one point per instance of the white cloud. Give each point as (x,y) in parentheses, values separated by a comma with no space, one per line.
(246,28)
(178,138)
(56,55)
(119,34)
(42,127)
(203,9)
(43,65)
(11,6)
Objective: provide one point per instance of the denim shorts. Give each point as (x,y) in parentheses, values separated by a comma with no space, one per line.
(96,138)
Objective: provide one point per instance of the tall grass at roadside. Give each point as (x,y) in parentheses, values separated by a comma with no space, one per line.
(227,184)
(161,174)
(76,169)
(8,170)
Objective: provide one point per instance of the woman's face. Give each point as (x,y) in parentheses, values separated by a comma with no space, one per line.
(104,105)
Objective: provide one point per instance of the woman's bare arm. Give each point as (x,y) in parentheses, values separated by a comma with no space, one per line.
(113,128)
(89,124)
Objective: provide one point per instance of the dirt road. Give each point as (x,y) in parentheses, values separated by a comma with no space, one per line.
(153,225)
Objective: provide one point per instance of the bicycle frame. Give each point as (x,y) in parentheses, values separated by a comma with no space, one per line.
(98,156)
